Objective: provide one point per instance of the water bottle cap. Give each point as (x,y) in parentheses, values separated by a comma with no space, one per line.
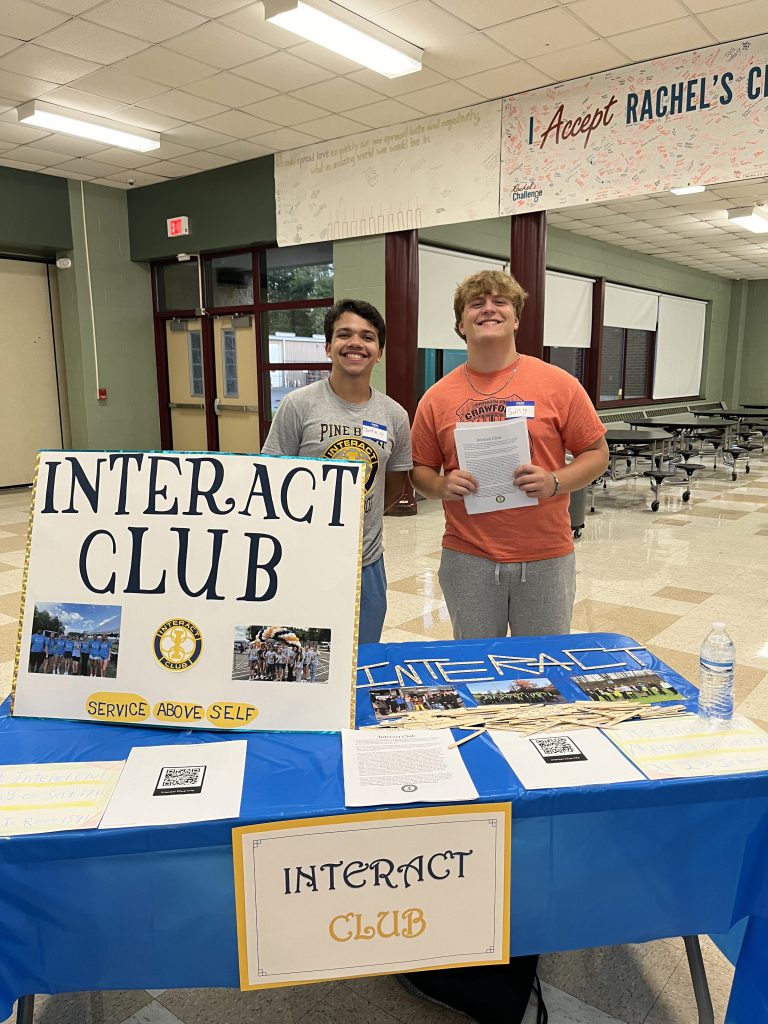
(719,625)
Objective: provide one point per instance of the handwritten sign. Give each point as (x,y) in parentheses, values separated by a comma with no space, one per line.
(55,797)
(435,170)
(378,893)
(195,590)
(693,118)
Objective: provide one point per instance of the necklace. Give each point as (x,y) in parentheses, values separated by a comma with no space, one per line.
(490,394)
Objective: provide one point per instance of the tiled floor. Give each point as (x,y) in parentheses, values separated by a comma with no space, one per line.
(658,577)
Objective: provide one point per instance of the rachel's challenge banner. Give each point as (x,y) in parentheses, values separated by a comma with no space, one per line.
(191,589)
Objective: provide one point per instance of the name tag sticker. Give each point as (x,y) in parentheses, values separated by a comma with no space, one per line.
(375,431)
(516,409)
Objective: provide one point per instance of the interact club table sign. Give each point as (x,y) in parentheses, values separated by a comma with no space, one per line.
(372,893)
(199,590)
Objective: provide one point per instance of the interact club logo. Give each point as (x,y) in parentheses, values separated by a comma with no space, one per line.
(177,644)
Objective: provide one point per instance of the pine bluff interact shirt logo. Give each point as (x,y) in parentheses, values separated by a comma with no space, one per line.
(356,449)
(177,644)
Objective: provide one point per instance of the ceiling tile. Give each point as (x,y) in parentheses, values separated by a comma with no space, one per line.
(171,169)
(19,134)
(138,178)
(170,151)
(237,124)
(207,161)
(212,8)
(323,58)
(506,81)
(250,20)
(70,145)
(50,65)
(19,87)
(196,137)
(19,165)
(239,150)
(579,60)
(546,32)
(732,22)
(485,13)
(108,183)
(161,65)
(423,24)
(71,6)
(372,8)
(38,155)
(609,18)
(7,44)
(697,6)
(219,45)
(229,89)
(423,79)
(152,20)
(337,95)
(24,20)
(146,119)
(279,69)
(468,55)
(123,158)
(87,165)
(182,105)
(377,115)
(284,110)
(284,138)
(334,126)
(84,39)
(441,98)
(118,85)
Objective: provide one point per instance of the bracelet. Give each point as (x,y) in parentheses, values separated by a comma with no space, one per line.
(557,486)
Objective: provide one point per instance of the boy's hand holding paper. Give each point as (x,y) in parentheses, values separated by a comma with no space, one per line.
(492,452)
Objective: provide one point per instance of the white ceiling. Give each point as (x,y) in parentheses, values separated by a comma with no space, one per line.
(222,85)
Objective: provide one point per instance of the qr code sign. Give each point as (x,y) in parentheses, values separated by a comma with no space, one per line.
(177,780)
(557,748)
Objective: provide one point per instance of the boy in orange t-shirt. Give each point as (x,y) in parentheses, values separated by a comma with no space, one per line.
(512,569)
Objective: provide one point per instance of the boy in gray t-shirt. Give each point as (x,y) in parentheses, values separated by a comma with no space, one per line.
(344,418)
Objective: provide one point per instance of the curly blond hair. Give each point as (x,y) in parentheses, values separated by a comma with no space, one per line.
(487,282)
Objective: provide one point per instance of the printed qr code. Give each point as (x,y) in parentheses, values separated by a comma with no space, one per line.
(557,748)
(177,780)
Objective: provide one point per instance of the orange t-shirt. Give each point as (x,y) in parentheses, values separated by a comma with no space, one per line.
(564,418)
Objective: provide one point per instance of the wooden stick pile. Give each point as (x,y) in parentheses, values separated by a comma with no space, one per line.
(530,719)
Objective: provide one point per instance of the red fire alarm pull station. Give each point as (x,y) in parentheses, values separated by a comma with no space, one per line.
(102,394)
(177,226)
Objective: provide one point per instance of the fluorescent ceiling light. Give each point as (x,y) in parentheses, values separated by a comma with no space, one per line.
(687,190)
(753,218)
(86,126)
(347,34)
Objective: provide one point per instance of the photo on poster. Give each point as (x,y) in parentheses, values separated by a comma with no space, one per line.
(281,654)
(399,700)
(641,686)
(75,639)
(518,691)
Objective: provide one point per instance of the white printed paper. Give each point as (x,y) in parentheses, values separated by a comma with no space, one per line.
(171,785)
(580,757)
(687,746)
(492,452)
(55,797)
(403,766)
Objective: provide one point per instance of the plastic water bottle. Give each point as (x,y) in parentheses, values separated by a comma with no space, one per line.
(717,660)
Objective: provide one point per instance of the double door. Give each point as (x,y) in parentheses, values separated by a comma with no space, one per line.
(213,383)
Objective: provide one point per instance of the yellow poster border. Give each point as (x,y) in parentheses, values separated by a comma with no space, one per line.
(504,810)
(24,578)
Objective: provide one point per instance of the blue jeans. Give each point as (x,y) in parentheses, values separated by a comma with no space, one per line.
(373,602)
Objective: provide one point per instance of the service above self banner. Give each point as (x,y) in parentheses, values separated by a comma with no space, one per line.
(693,118)
(191,589)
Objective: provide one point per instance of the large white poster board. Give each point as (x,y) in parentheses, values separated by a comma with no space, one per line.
(436,170)
(693,118)
(378,893)
(191,589)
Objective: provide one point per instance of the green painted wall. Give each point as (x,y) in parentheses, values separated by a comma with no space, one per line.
(34,213)
(228,207)
(122,312)
(754,361)
(358,273)
(579,254)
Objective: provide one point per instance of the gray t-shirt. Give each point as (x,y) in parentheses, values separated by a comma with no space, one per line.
(314,422)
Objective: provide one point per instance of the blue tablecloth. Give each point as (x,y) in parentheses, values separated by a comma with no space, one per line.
(154,907)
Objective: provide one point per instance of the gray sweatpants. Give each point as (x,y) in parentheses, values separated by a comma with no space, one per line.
(485,597)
